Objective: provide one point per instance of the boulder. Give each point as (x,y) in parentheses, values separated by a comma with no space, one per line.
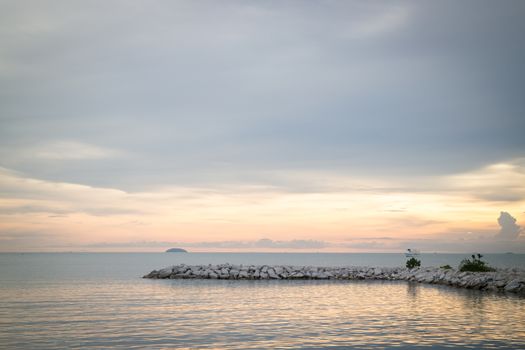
(513,286)
(273,275)
(298,274)
(165,273)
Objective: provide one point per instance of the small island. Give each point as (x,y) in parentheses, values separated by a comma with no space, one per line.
(176,250)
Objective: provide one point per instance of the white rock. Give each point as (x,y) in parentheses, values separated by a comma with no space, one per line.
(273,275)
(513,286)
(164,273)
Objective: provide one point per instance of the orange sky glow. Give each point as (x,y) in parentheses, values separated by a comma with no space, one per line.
(343,215)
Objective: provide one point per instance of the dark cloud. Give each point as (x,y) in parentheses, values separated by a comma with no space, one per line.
(509,229)
(200,92)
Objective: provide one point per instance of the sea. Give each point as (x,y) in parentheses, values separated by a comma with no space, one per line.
(100,301)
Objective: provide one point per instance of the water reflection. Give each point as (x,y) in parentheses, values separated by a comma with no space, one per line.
(256,314)
(412,290)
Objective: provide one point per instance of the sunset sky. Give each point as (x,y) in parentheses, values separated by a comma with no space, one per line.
(262,126)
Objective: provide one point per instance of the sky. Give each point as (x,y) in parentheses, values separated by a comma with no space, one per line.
(337,126)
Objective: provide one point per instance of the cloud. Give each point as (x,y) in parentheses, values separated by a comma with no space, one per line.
(234,217)
(30,209)
(509,229)
(21,240)
(293,244)
(454,242)
(195,93)
(499,182)
(51,152)
(167,112)
(263,243)
(61,212)
(370,245)
(71,150)
(386,21)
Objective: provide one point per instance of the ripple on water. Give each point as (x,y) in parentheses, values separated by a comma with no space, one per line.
(256,314)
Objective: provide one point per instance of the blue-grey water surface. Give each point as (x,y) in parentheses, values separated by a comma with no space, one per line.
(98,300)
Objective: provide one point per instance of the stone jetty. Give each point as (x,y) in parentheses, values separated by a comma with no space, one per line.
(505,280)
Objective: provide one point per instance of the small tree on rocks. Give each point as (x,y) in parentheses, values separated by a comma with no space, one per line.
(475,265)
(413,262)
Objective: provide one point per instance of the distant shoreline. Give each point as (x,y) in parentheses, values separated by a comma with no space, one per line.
(236,252)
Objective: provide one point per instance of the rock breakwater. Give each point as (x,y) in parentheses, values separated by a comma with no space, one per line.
(505,280)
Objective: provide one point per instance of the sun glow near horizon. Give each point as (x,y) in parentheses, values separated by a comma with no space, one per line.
(452,213)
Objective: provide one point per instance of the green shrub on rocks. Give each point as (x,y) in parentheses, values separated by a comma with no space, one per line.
(446,267)
(413,262)
(475,265)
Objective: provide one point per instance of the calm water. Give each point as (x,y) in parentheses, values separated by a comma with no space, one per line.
(100,301)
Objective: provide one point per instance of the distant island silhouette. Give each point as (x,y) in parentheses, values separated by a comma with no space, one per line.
(176,250)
